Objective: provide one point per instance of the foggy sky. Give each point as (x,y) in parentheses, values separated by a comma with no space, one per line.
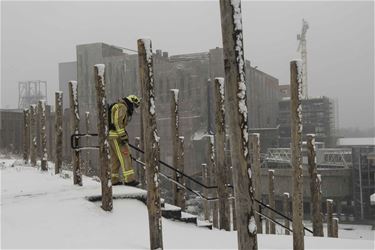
(36,36)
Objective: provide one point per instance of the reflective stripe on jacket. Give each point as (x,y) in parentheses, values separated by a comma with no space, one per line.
(119,117)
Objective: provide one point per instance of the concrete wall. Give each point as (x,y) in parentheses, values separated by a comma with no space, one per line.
(67,72)
(11,130)
(189,73)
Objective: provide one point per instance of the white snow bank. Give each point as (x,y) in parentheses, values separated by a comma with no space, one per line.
(42,210)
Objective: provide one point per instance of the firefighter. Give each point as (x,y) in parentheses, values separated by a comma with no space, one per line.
(120,114)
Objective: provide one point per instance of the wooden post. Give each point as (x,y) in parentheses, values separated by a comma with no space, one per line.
(271,198)
(221,168)
(296,130)
(231,25)
(286,210)
(212,181)
(255,163)
(314,187)
(234,217)
(77,174)
(59,130)
(206,210)
(88,168)
(319,184)
(26,137)
(104,155)
(43,135)
(175,134)
(329,203)
(151,140)
(140,168)
(335,227)
(33,144)
(267,221)
(181,195)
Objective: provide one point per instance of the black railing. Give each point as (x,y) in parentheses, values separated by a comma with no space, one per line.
(74,140)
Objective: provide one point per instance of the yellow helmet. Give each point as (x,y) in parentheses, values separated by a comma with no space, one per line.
(134,99)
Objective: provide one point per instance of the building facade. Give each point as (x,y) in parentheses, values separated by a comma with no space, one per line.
(67,72)
(317,118)
(193,74)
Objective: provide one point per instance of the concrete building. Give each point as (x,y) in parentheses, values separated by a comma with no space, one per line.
(67,72)
(317,118)
(334,165)
(363,171)
(284,90)
(190,73)
(11,129)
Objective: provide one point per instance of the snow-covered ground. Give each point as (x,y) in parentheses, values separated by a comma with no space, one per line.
(42,210)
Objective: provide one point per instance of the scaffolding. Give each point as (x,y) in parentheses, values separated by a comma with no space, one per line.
(325,157)
(30,92)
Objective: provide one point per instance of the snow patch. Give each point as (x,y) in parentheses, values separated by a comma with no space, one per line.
(156,137)
(152,106)
(101,68)
(237,18)
(74,93)
(252,225)
(249,172)
(175,92)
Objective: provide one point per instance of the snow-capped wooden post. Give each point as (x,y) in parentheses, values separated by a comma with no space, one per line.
(271,197)
(255,163)
(286,211)
(296,130)
(221,171)
(58,130)
(104,155)
(43,135)
(329,204)
(314,187)
(206,210)
(87,166)
(335,227)
(77,173)
(151,140)
(26,138)
(33,142)
(234,65)
(181,195)
(212,181)
(175,134)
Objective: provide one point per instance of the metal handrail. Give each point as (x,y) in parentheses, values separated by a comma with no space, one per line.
(74,144)
(207,198)
(176,170)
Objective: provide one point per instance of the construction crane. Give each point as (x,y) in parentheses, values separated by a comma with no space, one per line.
(302,48)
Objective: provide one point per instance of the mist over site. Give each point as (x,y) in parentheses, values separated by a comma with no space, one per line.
(217,124)
(36,36)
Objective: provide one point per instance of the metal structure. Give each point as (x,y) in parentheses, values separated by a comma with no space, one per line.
(302,48)
(325,157)
(30,92)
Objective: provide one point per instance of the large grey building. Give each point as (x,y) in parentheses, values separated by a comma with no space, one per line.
(193,75)
(67,72)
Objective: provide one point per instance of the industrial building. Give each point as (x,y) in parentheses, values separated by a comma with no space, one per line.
(318,117)
(193,74)
(363,174)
